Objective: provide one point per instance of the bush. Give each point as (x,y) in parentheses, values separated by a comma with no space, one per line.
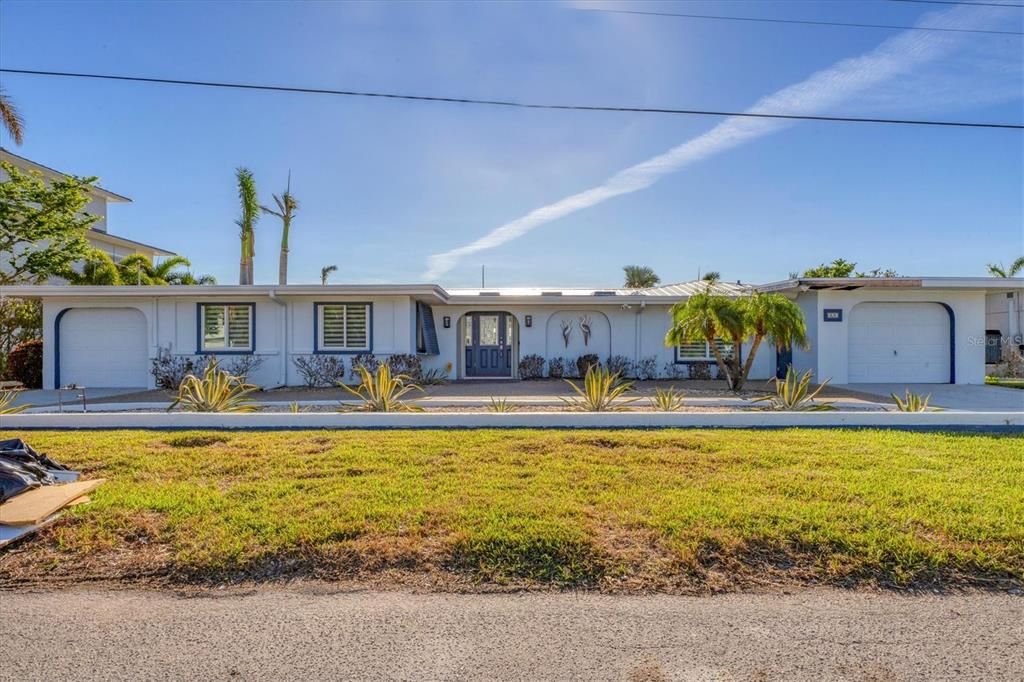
(240,366)
(320,370)
(646,369)
(585,362)
(170,370)
(619,364)
(673,370)
(556,368)
(409,365)
(700,370)
(367,361)
(531,367)
(25,363)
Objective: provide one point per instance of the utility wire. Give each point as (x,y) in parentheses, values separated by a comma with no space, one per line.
(958,2)
(794,21)
(513,104)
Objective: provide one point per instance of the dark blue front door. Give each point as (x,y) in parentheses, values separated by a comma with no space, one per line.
(488,351)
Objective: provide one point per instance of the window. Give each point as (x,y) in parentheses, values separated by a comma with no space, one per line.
(343,327)
(701,350)
(226,328)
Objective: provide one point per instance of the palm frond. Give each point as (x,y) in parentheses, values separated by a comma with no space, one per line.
(11,118)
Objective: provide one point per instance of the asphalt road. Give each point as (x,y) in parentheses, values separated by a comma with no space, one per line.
(308,633)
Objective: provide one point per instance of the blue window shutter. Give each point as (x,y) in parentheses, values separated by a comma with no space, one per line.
(426,320)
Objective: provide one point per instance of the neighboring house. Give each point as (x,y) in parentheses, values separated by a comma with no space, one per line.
(927,330)
(98,235)
(1004,312)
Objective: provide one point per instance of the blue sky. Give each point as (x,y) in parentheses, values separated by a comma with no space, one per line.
(386,184)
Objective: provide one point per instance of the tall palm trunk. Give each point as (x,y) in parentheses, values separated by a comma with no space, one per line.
(282,268)
(287,205)
(246,223)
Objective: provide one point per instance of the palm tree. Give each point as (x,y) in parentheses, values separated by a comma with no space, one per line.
(325,272)
(98,268)
(187,278)
(287,205)
(11,119)
(247,223)
(640,277)
(997,270)
(771,315)
(708,317)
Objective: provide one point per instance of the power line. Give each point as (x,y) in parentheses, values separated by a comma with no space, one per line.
(959,2)
(513,104)
(794,21)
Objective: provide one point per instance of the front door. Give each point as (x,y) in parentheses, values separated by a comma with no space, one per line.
(488,351)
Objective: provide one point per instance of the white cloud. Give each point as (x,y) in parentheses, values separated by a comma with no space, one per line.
(816,94)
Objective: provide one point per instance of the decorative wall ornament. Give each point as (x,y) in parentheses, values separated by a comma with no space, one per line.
(566,331)
(585,328)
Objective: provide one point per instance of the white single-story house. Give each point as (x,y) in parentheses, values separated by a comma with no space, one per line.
(913,330)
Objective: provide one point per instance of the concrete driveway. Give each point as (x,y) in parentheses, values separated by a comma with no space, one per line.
(70,398)
(953,397)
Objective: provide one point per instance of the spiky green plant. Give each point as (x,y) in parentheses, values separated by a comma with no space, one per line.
(911,402)
(294,407)
(667,399)
(793,394)
(602,391)
(216,391)
(502,405)
(381,391)
(7,405)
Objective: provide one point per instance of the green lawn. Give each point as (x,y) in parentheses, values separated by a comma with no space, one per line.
(1009,383)
(647,509)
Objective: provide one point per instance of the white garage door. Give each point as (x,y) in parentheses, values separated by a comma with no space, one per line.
(104,348)
(899,342)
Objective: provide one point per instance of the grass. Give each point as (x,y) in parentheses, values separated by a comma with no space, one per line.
(1008,383)
(671,510)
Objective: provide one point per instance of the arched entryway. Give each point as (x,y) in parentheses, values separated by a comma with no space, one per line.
(489,342)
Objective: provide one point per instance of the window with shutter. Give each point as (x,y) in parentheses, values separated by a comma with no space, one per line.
(701,351)
(226,328)
(343,326)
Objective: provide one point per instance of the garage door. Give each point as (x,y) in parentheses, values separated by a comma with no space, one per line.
(104,348)
(899,342)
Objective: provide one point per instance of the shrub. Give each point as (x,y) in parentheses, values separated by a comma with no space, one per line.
(366,360)
(646,369)
(619,364)
(667,399)
(216,391)
(531,367)
(435,377)
(406,364)
(170,370)
(700,371)
(911,402)
(556,368)
(601,389)
(570,370)
(793,394)
(585,362)
(320,370)
(240,366)
(381,391)
(502,405)
(25,363)
(673,370)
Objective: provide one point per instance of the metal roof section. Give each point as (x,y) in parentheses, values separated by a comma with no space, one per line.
(21,161)
(854,283)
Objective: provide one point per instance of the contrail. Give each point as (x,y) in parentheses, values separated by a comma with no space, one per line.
(821,90)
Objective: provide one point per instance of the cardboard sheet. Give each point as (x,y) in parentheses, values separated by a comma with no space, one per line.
(36,505)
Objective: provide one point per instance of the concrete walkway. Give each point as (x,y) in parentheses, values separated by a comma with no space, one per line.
(972,398)
(312,632)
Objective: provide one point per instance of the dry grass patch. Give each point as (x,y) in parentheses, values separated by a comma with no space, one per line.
(672,510)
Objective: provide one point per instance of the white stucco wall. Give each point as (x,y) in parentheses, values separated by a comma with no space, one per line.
(829,354)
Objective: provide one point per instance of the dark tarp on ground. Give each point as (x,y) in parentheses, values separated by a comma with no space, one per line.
(22,468)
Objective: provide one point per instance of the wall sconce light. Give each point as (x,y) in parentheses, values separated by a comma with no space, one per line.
(528,320)
(447,322)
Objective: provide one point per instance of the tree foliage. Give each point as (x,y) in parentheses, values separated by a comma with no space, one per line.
(998,270)
(640,277)
(98,268)
(42,227)
(250,213)
(11,119)
(325,273)
(287,205)
(712,318)
(840,267)
(20,320)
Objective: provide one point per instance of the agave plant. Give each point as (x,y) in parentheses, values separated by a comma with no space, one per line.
(602,392)
(7,405)
(911,402)
(502,405)
(667,399)
(216,391)
(793,394)
(381,391)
